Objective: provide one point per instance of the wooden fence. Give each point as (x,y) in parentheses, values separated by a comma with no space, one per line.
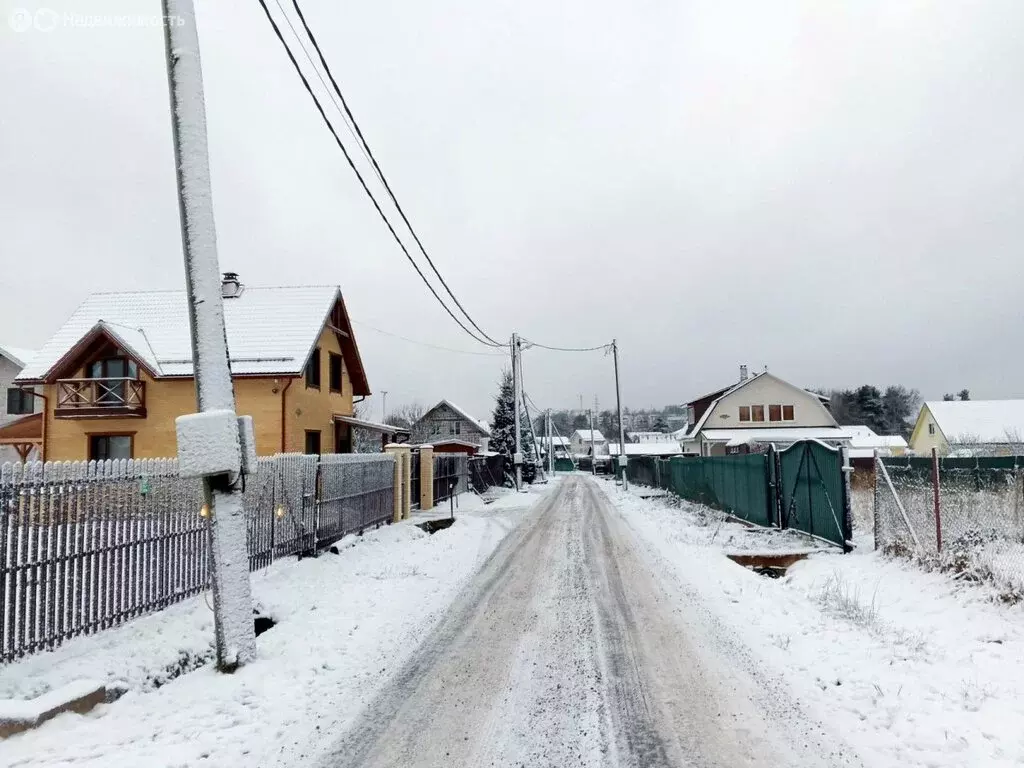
(89,545)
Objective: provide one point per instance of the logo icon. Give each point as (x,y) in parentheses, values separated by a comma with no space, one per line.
(20,20)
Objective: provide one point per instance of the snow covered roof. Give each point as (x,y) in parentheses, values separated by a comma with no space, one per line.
(17,355)
(647,449)
(979,421)
(462,412)
(555,439)
(585,434)
(374,426)
(735,437)
(270,331)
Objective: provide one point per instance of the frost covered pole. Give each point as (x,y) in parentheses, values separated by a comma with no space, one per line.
(217,425)
(618,407)
(517,456)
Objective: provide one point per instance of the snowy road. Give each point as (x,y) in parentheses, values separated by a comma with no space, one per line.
(567,650)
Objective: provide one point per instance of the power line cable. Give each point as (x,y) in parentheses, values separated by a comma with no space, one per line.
(426,343)
(320,77)
(565,349)
(376,166)
(362,181)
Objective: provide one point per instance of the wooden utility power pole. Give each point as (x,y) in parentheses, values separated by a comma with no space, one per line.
(215,396)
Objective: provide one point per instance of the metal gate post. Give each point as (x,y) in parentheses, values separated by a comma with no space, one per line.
(847,472)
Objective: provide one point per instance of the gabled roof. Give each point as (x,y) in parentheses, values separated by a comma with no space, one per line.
(17,355)
(683,433)
(585,434)
(461,411)
(270,331)
(979,421)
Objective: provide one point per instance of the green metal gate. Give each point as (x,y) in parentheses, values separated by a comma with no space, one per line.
(813,492)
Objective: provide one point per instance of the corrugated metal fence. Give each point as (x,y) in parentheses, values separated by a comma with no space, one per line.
(801,487)
(87,546)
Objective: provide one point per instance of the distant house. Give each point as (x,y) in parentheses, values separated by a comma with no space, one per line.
(451,429)
(20,411)
(978,427)
(760,408)
(585,442)
(119,371)
(662,450)
(559,444)
(865,443)
(647,437)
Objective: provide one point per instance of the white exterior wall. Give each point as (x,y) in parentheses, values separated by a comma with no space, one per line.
(768,390)
(580,446)
(8,370)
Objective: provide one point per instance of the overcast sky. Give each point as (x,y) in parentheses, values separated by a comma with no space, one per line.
(833,190)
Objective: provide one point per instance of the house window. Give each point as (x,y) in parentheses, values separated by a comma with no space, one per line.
(313,442)
(112,368)
(19,401)
(744,413)
(931,429)
(757,413)
(787,413)
(335,371)
(104,447)
(313,370)
(774,413)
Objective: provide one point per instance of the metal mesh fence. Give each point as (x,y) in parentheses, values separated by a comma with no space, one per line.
(451,476)
(89,545)
(973,527)
(356,491)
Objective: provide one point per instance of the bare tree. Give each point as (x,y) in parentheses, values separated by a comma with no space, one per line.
(406,415)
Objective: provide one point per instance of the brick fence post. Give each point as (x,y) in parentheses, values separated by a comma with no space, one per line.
(426,477)
(403,463)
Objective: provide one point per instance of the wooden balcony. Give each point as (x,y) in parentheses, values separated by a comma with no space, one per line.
(96,398)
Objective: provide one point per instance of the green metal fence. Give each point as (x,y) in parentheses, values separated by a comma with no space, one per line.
(739,485)
(802,487)
(813,496)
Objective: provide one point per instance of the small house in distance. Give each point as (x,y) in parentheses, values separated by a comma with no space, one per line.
(974,427)
(21,421)
(450,429)
(119,371)
(584,442)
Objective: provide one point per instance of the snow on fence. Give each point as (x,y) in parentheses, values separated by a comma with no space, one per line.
(973,526)
(89,545)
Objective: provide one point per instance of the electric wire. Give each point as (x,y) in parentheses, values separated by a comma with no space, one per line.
(362,181)
(376,166)
(427,343)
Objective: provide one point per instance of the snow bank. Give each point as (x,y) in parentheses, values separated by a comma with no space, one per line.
(909,668)
(346,623)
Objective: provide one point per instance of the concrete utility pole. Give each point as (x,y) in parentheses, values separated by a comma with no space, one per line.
(618,406)
(551,445)
(593,451)
(517,457)
(384,406)
(232,595)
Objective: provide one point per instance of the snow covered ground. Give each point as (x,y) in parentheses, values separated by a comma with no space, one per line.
(346,623)
(908,667)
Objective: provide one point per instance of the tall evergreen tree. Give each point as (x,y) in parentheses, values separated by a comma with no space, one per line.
(869,408)
(503,425)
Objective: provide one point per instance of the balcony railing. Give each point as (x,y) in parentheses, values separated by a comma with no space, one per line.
(84,398)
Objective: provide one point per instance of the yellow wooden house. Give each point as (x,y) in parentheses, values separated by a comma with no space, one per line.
(119,371)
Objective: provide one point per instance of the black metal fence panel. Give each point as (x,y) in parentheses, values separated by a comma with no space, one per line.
(89,545)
